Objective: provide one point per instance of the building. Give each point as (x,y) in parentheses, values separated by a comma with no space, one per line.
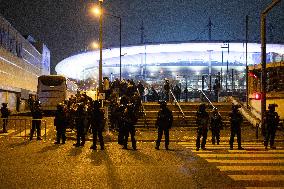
(21,62)
(186,62)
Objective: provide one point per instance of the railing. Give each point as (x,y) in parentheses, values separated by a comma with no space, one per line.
(20,126)
(207,98)
(180,109)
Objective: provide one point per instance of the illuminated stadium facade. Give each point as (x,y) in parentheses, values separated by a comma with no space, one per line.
(186,62)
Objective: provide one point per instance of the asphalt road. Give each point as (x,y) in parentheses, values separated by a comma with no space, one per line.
(42,164)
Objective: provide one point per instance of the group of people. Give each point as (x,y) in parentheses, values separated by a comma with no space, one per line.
(82,113)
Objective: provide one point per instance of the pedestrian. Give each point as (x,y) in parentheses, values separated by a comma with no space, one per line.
(97,125)
(5,112)
(271,123)
(60,122)
(236,120)
(177,92)
(215,126)
(202,121)
(129,120)
(80,125)
(167,90)
(164,123)
(141,89)
(36,122)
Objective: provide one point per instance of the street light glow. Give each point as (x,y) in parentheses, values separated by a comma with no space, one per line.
(96,11)
(95,45)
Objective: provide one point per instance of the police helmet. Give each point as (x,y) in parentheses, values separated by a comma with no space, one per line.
(202,107)
(163,103)
(272,106)
(59,106)
(96,104)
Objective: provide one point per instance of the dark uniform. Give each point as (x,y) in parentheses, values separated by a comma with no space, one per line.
(4,114)
(80,126)
(121,125)
(36,122)
(236,120)
(271,123)
(164,123)
(97,125)
(60,122)
(129,120)
(215,125)
(202,121)
(167,90)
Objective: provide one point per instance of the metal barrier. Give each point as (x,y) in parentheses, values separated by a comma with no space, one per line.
(21,125)
(180,109)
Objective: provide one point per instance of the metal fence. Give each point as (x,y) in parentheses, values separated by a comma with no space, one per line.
(21,127)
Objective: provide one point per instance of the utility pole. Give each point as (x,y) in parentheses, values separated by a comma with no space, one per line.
(247,93)
(263,58)
(101,47)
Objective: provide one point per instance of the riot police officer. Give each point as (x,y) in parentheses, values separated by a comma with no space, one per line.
(202,121)
(271,123)
(36,122)
(215,125)
(97,125)
(129,120)
(80,126)
(4,114)
(60,122)
(164,123)
(121,123)
(236,120)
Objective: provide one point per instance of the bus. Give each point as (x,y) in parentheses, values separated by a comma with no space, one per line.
(52,90)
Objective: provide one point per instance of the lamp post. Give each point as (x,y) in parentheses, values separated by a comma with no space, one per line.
(101,47)
(120,26)
(263,58)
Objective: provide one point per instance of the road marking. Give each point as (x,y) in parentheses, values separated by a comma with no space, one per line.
(239,155)
(264,187)
(247,161)
(24,133)
(265,178)
(10,131)
(250,168)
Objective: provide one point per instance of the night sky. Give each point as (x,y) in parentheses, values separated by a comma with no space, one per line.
(67,26)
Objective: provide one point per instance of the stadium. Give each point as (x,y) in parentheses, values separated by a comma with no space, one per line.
(186,62)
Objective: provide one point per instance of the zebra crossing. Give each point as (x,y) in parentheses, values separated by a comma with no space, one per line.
(253,167)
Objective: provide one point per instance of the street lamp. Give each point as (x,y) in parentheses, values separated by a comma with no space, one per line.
(100,12)
(101,47)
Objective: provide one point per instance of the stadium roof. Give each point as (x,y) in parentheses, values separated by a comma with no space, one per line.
(159,54)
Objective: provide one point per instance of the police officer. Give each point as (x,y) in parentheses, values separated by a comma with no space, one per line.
(236,120)
(4,114)
(164,123)
(271,123)
(97,125)
(80,127)
(202,121)
(215,125)
(36,122)
(121,122)
(60,122)
(129,120)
